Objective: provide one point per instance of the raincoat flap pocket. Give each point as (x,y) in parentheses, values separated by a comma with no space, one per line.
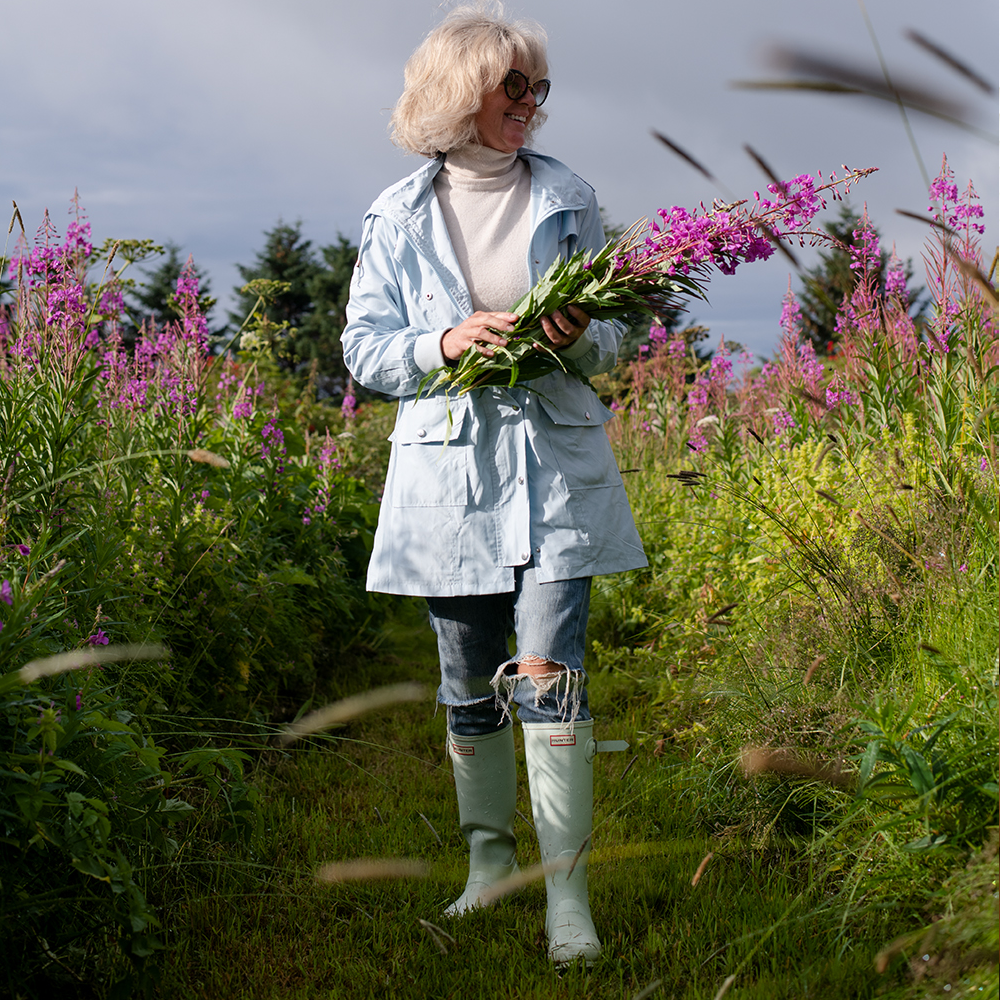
(431,420)
(575,409)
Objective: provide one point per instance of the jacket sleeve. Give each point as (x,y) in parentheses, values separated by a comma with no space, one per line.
(385,349)
(597,349)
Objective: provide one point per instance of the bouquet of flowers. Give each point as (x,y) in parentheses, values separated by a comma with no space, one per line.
(651,268)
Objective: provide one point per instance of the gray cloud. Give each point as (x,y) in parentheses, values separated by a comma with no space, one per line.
(205,122)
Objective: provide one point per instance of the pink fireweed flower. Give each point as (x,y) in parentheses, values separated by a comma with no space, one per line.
(791,314)
(795,205)
(721,367)
(328,455)
(194,324)
(273,438)
(895,278)
(349,405)
(697,442)
(865,253)
(677,348)
(942,189)
(327,465)
(834,397)
(698,394)
(782,421)
(98,639)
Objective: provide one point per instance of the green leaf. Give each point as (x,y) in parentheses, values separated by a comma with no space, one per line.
(68,765)
(867,764)
(926,843)
(175,809)
(289,575)
(921,775)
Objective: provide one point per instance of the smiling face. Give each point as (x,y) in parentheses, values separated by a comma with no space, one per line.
(501,122)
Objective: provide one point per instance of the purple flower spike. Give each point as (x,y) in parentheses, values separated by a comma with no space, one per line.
(349,406)
(25,550)
(100,639)
(5,593)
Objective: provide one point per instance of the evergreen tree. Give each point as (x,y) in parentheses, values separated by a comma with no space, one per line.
(319,337)
(289,258)
(313,306)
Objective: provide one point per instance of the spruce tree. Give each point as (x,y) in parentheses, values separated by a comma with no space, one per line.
(314,305)
(319,337)
(286,257)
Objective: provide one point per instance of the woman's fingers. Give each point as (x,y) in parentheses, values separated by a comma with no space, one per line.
(564,328)
(480,330)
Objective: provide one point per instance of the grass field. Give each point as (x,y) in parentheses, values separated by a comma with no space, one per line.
(768,911)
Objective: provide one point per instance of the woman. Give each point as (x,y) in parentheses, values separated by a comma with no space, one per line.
(499,506)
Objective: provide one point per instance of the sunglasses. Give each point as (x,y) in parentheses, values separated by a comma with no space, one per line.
(515,85)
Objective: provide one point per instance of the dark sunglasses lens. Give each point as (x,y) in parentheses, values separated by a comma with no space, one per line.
(541,91)
(515,84)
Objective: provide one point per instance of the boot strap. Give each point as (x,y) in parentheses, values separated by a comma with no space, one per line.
(595,747)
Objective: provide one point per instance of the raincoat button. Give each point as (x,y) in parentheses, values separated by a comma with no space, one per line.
(430,295)
(520,479)
(421,433)
(587,415)
(525,556)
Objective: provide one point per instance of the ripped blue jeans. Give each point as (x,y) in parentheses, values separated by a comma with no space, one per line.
(479,678)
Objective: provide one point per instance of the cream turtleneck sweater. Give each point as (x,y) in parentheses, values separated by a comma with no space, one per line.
(484,195)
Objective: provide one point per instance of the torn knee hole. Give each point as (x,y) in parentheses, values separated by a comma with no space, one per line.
(545,677)
(535,666)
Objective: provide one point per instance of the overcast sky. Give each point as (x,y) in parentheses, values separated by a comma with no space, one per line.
(206,122)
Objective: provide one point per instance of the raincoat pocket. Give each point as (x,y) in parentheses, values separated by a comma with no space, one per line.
(430,452)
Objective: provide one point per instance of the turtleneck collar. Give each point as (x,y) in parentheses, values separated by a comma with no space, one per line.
(473,161)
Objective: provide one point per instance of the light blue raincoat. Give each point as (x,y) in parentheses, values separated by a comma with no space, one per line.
(518,475)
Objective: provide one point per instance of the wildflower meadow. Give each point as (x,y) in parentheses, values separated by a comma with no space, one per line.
(806,672)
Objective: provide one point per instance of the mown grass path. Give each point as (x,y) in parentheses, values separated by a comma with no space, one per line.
(264,928)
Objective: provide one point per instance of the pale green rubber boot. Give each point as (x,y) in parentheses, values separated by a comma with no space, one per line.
(486,783)
(561,778)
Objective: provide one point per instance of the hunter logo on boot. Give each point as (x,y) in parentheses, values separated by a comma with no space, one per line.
(562,740)
(463,751)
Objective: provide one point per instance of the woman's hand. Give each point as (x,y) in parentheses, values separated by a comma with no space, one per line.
(563,330)
(480,330)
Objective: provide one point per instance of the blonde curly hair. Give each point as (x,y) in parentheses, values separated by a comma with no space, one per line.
(457,64)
